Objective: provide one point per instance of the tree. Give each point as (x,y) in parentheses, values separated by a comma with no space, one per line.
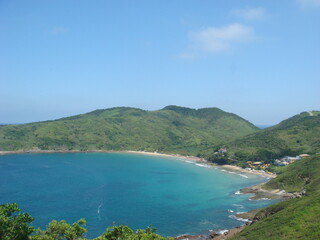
(219,158)
(62,231)
(14,225)
(125,233)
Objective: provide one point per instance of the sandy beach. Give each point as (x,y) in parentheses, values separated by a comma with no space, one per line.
(202,160)
(236,168)
(190,158)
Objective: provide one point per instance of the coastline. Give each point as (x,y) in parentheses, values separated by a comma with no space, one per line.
(189,158)
(257,190)
(256,172)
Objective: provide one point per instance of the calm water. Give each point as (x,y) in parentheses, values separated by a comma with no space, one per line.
(174,196)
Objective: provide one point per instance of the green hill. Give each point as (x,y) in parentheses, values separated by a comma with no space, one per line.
(172,129)
(296,135)
(297,218)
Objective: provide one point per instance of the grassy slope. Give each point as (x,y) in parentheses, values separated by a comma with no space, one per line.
(172,129)
(297,218)
(299,134)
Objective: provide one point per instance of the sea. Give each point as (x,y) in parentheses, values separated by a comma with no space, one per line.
(175,196)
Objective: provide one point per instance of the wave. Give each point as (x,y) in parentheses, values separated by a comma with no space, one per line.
(238,205)
(203,165)
(239,219)
(243,175)
(98,210)
(238,193)
(222,231)
(231,211)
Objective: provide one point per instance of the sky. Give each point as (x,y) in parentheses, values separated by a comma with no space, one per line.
(259,59)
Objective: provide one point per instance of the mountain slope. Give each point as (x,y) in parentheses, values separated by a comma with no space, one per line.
(171,129)
(296,218)
(296,135)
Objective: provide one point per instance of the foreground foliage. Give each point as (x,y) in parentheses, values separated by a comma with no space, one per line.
(297,218)
(124,232)
(61,230)
(15,226)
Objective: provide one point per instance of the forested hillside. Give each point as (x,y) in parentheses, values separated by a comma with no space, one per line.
(172,129)
(296,135)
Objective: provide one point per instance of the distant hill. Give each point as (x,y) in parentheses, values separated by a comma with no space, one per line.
(172,129)
(296,135)
(296,218)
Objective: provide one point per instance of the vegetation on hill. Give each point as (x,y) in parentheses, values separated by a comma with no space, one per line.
(172,129)
(296,135)
(15,226)
(297,218)
(185,131)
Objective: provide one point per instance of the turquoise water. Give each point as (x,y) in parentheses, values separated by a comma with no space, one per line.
(174,196)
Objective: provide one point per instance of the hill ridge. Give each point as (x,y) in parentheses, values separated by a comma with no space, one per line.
(172,129)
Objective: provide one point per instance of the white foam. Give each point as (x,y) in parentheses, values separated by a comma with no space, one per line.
(238,193)
(222,232)
(203,165)
(187,161)
(231,211)
(243,175)
(239,219)
(98,210)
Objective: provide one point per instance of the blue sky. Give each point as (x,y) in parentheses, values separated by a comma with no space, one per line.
(258,59)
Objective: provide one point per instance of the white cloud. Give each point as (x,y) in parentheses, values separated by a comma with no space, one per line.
(58,30)
(250,13)
(309,3)
(221,39)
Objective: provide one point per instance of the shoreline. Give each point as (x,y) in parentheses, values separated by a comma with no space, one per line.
(256,172)
(257,190)
(189,158)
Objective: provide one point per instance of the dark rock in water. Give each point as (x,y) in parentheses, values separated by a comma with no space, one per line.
(214,234)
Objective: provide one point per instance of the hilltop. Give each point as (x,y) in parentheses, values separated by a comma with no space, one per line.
(172,129)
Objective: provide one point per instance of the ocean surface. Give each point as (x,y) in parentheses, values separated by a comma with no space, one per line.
(174,196)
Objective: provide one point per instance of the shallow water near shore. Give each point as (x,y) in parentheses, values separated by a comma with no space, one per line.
(175,196)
